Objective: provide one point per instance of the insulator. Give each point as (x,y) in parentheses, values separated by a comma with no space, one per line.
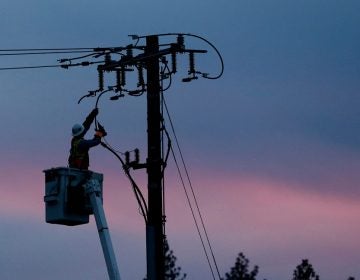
(127,157)
(140,77)
(129,52)
(101,79)
(137,155)
(118,80)
(123,76)
(173,62)
(107,58)
(191,63)
(180,41)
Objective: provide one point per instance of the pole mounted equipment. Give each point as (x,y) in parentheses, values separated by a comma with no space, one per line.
(148,57)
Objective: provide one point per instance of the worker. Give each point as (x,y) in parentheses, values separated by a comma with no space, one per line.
(79,152)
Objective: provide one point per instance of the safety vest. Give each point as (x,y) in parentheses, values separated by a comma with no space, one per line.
(78,159)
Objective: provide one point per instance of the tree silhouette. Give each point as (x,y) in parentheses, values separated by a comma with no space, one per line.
(172,272)
(305,271)
(241,271)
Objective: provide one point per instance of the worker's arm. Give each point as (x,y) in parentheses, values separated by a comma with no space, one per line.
(89,119)
(87,144)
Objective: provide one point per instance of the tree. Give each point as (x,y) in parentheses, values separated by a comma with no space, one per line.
(305,271)
(172,272)
(241,271)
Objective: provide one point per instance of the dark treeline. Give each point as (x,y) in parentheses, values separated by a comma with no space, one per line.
(241,269)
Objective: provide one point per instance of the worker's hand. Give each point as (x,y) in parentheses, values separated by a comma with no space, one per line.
(104,133)
(101,129)
(99,134)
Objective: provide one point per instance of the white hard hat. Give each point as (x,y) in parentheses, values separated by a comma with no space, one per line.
(77,129)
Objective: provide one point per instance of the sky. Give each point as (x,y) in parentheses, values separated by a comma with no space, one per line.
(272,147)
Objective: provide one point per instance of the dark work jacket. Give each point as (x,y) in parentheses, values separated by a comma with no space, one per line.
(79,152)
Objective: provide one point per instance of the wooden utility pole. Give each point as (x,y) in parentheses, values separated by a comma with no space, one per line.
(154,227)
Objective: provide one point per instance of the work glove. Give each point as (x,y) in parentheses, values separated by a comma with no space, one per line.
(101,130)
(98,134)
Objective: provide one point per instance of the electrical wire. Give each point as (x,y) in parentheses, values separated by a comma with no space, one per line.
(192,213)
(163,76)
(39,53)
(79,57)
(48,51)
(29,67)
(193,195)
(98,98)
(138,194)
(65,66)
(162,154)
(163,130)
(201,38)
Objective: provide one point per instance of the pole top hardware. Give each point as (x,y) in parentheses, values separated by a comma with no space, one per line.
(126,59)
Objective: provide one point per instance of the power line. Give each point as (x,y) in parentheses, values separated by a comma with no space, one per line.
(30,67)
(50,49)
(194,197)
(193,214)
(40,53)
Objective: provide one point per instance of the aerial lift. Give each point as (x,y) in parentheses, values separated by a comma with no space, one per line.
(71,196)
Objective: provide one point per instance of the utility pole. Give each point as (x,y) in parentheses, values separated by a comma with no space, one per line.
(154,227)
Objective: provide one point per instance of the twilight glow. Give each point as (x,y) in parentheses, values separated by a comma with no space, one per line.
(272,147)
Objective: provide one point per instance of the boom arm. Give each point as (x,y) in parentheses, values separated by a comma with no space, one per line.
(93,191)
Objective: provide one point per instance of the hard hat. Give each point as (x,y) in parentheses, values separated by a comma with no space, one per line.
(77,129)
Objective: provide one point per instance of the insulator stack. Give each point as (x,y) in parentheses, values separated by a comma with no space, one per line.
(129,52)
(173,62)
(107,58)
(118,80)
(181,42)
(141,81)
(101,79)
(137,155)
(127,157)
(123,76)
(191,63)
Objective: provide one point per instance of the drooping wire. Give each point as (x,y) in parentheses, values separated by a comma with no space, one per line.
(201,38)
(164,164)
(165,75)
(194,197)
(138,194)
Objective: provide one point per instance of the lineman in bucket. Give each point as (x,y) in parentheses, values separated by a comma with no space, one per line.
(79,152)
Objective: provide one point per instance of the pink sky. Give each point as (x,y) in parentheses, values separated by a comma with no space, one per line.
(272,147)
(274,223)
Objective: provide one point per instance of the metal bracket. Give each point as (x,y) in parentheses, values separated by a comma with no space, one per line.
(92,186)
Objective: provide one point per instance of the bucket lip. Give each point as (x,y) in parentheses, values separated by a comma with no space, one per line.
(70,170)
